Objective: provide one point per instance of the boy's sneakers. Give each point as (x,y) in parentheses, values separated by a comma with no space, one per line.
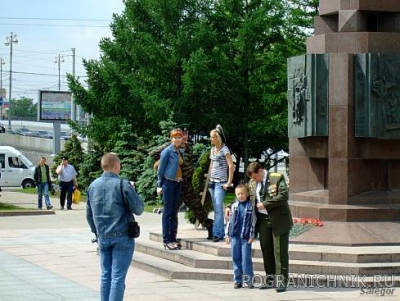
(217,239)
(250,285)
(237,285)
(49,207)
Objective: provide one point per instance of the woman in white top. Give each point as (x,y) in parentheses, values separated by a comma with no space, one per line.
(221,177)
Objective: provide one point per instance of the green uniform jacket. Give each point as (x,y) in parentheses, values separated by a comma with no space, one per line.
(275,200)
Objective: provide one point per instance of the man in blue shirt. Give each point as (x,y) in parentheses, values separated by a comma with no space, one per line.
(108,217)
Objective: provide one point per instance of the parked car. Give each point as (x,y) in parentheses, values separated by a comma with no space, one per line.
(2,128)
(65,136)
(42,134)
(23,132)
(82,138)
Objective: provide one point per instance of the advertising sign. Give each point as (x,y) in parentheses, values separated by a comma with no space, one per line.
(54,105)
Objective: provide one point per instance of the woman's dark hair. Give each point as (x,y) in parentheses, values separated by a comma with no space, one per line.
(221,133)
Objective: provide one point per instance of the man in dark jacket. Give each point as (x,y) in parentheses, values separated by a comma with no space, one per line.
(43,183)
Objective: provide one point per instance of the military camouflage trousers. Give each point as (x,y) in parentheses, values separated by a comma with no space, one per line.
(193,202)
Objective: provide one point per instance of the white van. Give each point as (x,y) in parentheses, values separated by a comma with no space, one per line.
(16,169)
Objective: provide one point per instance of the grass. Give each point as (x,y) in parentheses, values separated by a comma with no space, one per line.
(147,208)
(27,190)
(9,207)
(229,198)
(150,208)
(34,191)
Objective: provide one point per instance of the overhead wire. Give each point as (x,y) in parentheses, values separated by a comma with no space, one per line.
(54,19)
(31,56)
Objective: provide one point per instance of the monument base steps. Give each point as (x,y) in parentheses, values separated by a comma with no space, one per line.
(200,259)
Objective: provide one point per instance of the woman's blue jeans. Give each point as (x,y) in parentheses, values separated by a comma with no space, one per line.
(116,254)
(43,189)
(242,262)
(218,193)
(171,201)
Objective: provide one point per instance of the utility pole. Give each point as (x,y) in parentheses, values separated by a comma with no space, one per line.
(10,40)
(73,105)
(58,61)
(1,87)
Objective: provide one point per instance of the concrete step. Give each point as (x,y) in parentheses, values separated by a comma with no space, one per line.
(192,257)
(344,213)
(173,270)
(374,254)
(344,268)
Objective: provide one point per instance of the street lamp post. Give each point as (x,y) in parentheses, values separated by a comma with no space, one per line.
(58,59)
(10,40)
(1,87)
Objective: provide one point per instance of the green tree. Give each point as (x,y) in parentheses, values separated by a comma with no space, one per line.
(238,78)
(138,80)
(203,62)
(147,179)
(23,107)
(302,14)
(90,168)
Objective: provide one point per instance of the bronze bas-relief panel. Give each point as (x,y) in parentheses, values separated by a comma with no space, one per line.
(308,81)
(377,95)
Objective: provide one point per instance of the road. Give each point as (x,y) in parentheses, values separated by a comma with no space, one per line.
(34,125)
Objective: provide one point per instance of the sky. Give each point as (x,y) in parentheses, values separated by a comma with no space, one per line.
(47,29)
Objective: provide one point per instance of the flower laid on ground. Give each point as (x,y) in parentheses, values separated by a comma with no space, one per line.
(304,221)
(302,225)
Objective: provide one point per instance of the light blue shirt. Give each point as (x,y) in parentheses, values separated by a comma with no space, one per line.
(68,173)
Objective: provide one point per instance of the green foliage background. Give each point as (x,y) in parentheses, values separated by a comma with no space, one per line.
(201,62)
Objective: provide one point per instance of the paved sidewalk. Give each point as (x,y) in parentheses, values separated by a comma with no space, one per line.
(50,257)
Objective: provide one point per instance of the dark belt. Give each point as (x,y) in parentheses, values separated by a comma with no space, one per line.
(174,180)
(262,215)
(108,235)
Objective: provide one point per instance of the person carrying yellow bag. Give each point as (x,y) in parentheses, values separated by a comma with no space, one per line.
(76,196)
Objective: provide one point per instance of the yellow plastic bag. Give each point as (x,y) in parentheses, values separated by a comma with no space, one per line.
(76,196)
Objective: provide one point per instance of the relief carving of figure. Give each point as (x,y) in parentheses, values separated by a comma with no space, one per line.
(386,89)
(299,102)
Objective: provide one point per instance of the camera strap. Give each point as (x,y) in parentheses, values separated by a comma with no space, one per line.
(125,202)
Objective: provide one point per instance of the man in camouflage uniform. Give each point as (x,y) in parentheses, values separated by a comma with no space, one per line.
(188,195)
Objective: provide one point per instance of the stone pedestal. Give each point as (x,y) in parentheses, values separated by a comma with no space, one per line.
(341,176)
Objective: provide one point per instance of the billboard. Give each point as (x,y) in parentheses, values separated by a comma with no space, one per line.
(54,105)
